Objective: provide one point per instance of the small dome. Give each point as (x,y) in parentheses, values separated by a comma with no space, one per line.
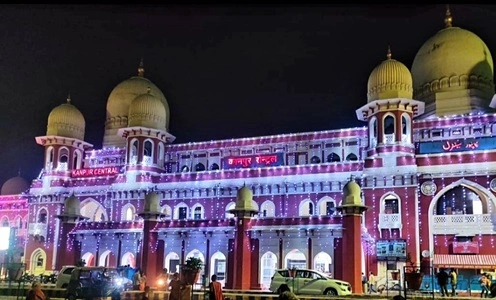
(72,206)
(390,79)
(67,121)
(14,186)
(352,194)
(244,200)
(152,203)
(454,58)
(147,111)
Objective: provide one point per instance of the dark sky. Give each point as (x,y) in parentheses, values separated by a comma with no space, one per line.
(226,71)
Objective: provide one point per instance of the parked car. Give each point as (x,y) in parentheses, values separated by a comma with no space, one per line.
(64,277)
(309,282)
(94,282)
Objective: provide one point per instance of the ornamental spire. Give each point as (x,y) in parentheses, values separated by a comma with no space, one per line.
(388,55)
(69,98)
(141,69)
(448,19)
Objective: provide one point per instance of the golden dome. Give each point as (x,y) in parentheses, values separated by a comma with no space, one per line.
(67,121)
(244,201)
(124,93)
(390,79)
(452,59)
(147,111)
(14,186)
(352,194)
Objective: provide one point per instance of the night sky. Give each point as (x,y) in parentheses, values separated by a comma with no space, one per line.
(226,71)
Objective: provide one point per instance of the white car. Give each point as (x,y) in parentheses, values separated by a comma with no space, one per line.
(64,277)
(309,282)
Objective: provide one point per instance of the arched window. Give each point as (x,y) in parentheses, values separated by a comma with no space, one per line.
(128,212)
(315,160)
(5,222)
(214,166)
(373,132)
(42,216)
(133,159)
(460,200)
(389,125)
(63,159)
(351,157)
(268,209)
(198,213)
(184,168)
(333,157)
(199,167)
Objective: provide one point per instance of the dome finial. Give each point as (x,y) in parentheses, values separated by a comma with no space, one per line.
(448,19)
(388,55)
(148,89)
(141,68)
(69,98)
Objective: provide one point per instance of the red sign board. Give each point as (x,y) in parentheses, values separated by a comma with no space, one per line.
(465,247)
(93,172)
(254,161)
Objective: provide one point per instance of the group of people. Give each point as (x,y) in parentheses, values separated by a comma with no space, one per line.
(369,284)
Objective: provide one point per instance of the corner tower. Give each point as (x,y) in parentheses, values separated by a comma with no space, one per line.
(389,114)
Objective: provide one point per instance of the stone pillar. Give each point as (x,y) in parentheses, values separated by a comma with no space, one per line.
(68,252)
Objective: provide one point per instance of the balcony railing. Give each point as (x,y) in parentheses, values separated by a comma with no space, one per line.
(389,221)
(37,229)
(463,224)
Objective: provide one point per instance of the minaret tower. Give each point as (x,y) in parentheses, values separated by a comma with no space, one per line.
(64,141)
(389,114)
(244,273)
(146,134)
(352,210)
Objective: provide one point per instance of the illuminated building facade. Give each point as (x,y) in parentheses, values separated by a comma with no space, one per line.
(425,162)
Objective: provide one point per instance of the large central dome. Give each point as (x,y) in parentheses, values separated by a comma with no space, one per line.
(119,101)
(456,61)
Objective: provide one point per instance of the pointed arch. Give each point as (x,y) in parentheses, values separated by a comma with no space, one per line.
(229,206)
(63,159)
(49,158)
(406,128)
(198,212)
(38,262)
(218,267)
(267,209)
(333,157)
(161,155)
(197,254)
(167,211)
(77,159)
(373,132)
(148,152)
(89,258)
(5,221)
(128,259)
(306,208)
(268,264)
(133,153)
(295,259)
(326,206)
(389,128)
(172,262)
(181,211)
(322,262)
(128,212)
(93,210)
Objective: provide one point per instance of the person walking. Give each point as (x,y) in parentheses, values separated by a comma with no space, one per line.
(35,293)
(372,283)
(442,280)
(485,283)
(454,282)
(215,289)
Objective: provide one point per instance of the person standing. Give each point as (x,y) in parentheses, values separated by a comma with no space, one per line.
(142,283)
(364,283)
(175,287)
(215,289)
(35,293)
(454,282)
(137,280)
(372,283)
(442,280)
